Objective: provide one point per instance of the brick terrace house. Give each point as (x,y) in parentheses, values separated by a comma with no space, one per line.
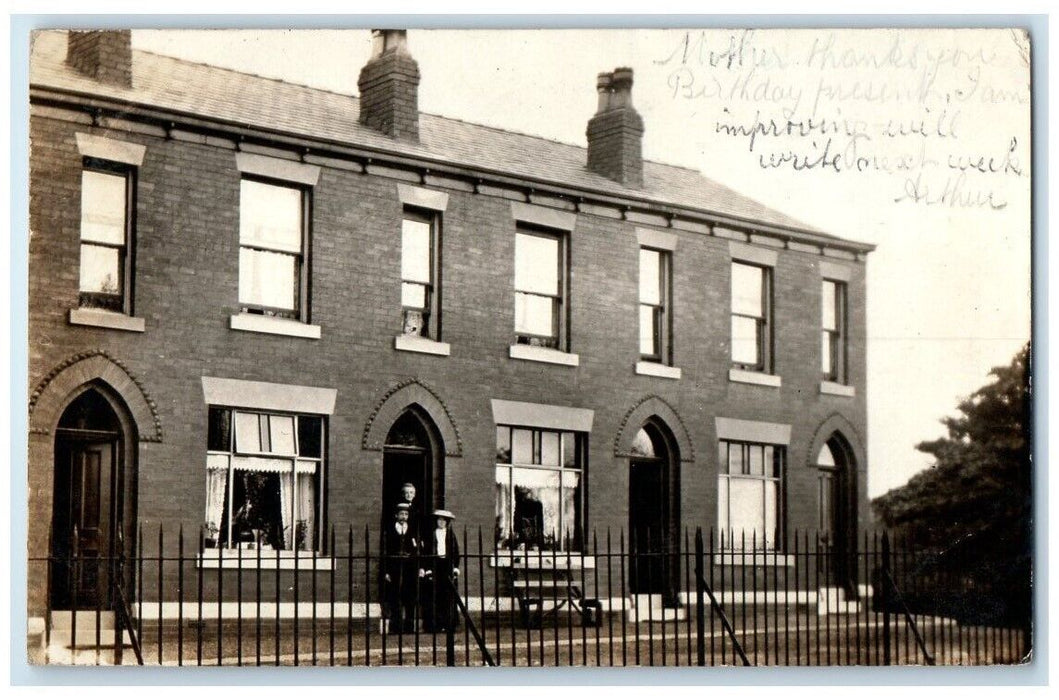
(258,308)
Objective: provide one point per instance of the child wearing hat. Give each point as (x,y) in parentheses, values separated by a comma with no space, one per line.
(401,550)
(442,559)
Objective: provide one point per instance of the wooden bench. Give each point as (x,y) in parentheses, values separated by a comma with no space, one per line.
(546,583)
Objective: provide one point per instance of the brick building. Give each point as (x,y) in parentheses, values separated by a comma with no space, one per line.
(259,308)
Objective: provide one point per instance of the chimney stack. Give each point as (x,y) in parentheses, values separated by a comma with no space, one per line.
(615,132)
(104,55)
(389,87)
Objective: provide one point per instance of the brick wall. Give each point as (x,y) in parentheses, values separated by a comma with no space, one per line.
(186,284)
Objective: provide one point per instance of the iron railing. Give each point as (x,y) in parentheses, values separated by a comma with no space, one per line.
(719,601)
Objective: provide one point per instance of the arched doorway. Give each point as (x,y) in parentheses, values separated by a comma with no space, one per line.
(93,509)
(835,507)
(653,510)
(413,454)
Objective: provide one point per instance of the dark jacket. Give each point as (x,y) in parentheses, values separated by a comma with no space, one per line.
(400,552)
(445,564)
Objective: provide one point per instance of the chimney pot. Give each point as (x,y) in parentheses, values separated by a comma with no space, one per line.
(603,87)
(621,88)
(384,40)
(622,79)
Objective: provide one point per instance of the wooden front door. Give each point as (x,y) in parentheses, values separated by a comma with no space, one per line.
(83,524)
(648,525)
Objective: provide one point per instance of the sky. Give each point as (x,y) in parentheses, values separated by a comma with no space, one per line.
(917,141)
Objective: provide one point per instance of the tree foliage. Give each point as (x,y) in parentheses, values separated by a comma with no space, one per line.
(974,505)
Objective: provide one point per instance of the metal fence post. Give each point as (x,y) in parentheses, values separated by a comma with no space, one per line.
(884,597)
(450,635)
(700,601)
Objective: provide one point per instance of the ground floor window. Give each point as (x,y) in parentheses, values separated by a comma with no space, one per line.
(264,476)
(540,489)
(749,494)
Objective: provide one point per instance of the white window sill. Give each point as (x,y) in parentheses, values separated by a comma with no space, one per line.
(655,369)
(415,343)
(549,355)
(520,559)
(836,389)
(100,318)
(273,325)
(306,561)
(760,378)
(753,559)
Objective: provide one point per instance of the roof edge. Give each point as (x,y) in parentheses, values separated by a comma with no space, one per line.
(93,102)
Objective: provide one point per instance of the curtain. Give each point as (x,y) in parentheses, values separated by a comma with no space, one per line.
(503,507)
(216,481)
(304,514)
(570,501)
(286,483)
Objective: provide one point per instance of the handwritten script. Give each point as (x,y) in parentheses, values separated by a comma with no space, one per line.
(940,117)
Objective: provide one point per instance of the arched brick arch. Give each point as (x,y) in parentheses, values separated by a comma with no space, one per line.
(54,391)
(638,415)
(393,404)
(837,423)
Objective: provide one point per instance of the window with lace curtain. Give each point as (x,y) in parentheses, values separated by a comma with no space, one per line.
(264,473)
(539,489)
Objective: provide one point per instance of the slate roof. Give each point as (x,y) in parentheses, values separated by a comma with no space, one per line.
(217,93)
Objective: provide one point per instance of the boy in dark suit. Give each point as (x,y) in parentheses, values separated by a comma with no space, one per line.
(401,553)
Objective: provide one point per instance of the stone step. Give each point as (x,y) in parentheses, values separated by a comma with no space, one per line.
(103,656)
(64,619)
(650,608)
(86,638)
(832,601)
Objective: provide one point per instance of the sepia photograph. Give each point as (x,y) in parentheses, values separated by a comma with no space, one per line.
(379,347)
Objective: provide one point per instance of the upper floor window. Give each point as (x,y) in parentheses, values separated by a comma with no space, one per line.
(752,317)
(655,338)
(420,289)
(833,333)
(106,227)
(540,491)
(749,493)
(272,243)
(264,477)
(540,289)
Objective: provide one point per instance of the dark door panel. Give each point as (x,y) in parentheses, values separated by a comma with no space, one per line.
(83,523)
(648,525)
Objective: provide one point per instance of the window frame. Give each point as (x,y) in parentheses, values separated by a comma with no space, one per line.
(580,451)
(763,323)
(662,316)
(122,302)
(320,501)
(735,541)
(303,287)
(837,338)
(560,340)
(432,328)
